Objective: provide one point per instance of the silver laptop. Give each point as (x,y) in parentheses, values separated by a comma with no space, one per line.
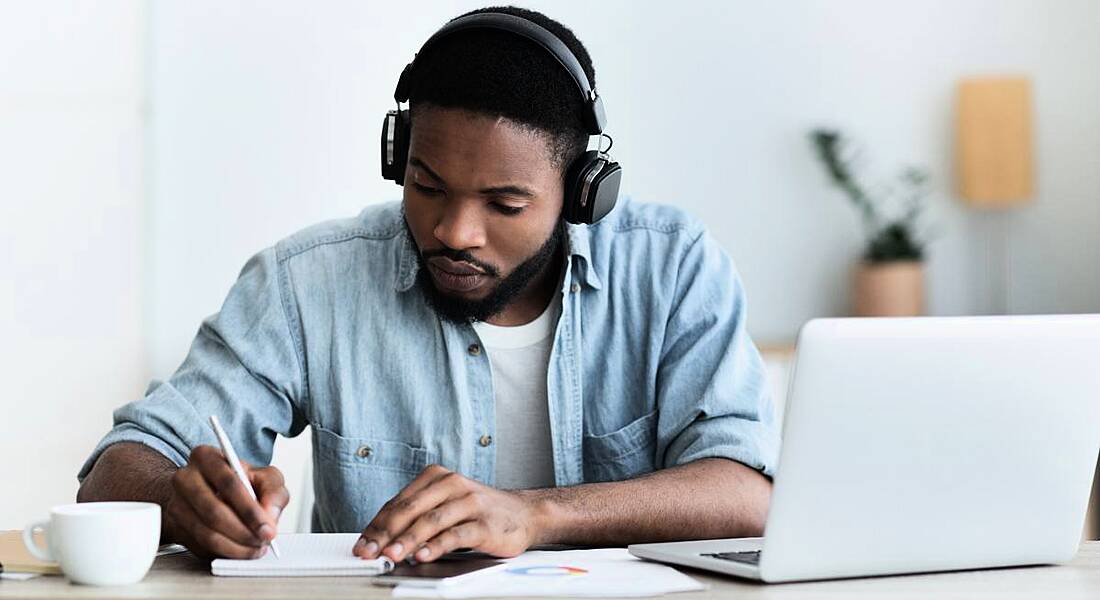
(925,444)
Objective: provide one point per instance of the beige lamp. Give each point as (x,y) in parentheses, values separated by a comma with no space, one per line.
(994,141)
(993,151)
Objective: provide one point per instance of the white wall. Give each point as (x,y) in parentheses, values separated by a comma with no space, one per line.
(267,115)
(70,240)
(266,118)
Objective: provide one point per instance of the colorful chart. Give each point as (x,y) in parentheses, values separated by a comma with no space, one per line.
(547,571)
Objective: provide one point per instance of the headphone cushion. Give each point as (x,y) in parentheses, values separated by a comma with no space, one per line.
(574,180)
(400,145)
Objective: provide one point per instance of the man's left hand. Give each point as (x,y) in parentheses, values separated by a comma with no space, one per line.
(441,511)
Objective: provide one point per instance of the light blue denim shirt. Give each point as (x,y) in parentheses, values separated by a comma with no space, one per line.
(651,367)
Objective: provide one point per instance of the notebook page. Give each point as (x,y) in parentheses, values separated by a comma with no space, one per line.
(306,554)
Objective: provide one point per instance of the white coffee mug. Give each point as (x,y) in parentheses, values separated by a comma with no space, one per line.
(99,543)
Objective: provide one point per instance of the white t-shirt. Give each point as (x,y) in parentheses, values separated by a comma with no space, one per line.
(519,358)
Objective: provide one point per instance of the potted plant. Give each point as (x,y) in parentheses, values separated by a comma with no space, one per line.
(889,280)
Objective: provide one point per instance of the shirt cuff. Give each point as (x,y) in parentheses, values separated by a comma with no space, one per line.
(751,443)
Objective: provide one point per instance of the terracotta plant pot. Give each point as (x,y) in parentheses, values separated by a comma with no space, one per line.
(889,289)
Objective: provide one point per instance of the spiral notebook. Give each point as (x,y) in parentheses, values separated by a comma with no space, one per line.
(306,555)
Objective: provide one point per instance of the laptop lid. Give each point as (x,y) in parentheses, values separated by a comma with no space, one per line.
(929,444)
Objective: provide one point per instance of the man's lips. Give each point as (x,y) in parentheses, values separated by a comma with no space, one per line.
(452,267)
(454,276)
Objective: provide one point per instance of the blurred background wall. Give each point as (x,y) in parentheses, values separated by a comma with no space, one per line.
(149,148)
(73,239)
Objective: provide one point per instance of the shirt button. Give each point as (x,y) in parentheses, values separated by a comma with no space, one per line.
(364,451)
(576,287)
(485,441)
(474,349)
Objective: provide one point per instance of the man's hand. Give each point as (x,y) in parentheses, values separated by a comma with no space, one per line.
(441,511)
(211,512)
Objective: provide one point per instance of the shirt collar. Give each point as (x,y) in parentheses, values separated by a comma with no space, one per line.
(577,245)
(407,263)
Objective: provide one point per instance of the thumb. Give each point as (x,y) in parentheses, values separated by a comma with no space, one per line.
(271,491)
(274,510)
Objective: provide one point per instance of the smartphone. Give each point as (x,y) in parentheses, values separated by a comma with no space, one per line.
(442,572)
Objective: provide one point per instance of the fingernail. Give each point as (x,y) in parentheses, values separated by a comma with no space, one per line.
(372,549)
(395,550)
(266,531)
(275,512)
(423,554)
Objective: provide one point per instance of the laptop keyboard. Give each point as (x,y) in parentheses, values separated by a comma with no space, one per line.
(751,557)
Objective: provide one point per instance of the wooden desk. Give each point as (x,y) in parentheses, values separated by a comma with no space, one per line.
(182,576)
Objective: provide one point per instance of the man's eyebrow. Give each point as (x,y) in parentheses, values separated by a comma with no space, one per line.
(416,162)
(502,190)
(508,190)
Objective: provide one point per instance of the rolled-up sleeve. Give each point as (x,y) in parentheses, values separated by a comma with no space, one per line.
(713,395)
(245,366)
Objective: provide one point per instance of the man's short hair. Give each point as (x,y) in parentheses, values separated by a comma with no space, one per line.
(501,74)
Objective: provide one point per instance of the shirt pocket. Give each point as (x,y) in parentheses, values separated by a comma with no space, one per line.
(354,477)
(625,453)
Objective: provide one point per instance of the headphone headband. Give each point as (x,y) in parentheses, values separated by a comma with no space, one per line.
(592,179)
(593,115)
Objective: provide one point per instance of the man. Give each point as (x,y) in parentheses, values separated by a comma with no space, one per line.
(475,371)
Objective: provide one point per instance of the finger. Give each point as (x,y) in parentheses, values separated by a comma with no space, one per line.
(434,521)
(470,534)
(401,511)
(193,489)
(427,476)
(271,492)
(208,541)
(221,481)
(374,537)
(232,491)
(266,480)
(407,511)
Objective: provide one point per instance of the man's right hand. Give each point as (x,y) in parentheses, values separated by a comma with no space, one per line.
(211,512)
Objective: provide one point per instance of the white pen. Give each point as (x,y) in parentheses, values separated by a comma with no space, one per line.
(235,464)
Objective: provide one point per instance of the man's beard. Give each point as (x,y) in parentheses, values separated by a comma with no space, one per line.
(460,310)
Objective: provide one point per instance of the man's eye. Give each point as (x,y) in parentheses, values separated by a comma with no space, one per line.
(428,191)
(504,209)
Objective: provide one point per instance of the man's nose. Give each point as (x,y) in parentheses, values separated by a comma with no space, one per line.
(460,226)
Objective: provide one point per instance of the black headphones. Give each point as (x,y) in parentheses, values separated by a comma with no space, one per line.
(592,179)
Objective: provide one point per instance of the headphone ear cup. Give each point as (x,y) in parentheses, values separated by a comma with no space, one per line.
(395,145)
(591,188)
(604,191)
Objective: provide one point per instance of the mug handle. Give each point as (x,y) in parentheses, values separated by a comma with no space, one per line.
(40,553)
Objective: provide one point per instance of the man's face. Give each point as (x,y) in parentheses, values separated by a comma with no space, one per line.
(482,202)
